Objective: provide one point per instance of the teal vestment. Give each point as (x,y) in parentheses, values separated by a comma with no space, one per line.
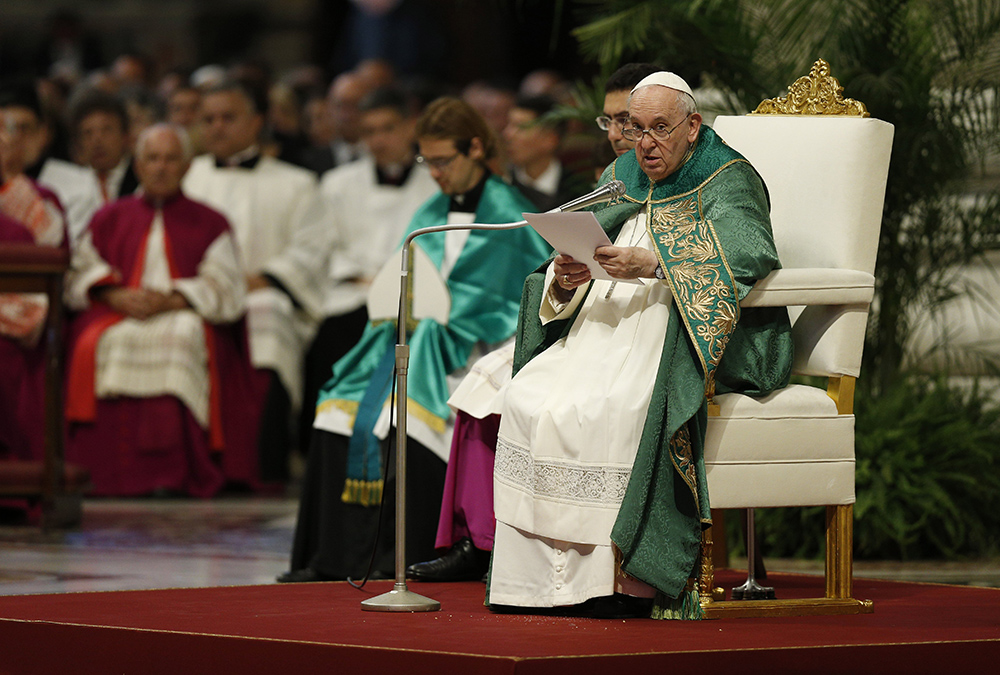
(485,286)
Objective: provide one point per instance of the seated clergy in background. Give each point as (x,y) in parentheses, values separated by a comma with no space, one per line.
(532,142)
(599,482)
(29,214)
(267,201)
(99,127)
(482,273)
(370,202)
(22,317)
(160,394)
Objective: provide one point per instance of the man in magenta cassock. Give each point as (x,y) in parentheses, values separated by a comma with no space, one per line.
(160,391)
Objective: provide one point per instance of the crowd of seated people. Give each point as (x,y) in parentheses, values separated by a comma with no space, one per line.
(224,226)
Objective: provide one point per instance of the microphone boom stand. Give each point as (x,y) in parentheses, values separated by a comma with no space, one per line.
(400,598)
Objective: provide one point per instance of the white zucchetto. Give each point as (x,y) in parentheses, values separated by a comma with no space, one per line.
(665,79)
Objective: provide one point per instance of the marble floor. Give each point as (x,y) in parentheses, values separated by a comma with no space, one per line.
(152,543)
(183,543)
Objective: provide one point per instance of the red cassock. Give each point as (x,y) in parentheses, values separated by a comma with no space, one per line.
(22,385)
(136,445)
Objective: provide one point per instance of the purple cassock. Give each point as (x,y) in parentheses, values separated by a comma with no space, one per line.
(467,503)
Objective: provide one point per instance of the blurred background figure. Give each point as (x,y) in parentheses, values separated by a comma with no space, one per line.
(533,141)
(267,201)
(29,213)
(343,97)
(183,105)
(160,396)
(493,101)
(370,202)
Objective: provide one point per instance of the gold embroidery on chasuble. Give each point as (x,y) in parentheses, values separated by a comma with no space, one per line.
(699,277)
(682,457)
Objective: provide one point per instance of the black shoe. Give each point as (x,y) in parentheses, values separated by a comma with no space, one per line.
(304,575)
(617,606)
(463,562)
(562,610)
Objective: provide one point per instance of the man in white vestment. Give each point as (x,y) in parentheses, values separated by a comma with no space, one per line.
(369,202)
(99,126)
(267,201)
(599,485)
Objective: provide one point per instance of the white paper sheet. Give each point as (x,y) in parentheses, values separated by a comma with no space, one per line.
(576,234)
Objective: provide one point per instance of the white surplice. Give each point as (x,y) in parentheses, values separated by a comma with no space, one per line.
(570,428)
(165,354)
(335,258)
(266,206)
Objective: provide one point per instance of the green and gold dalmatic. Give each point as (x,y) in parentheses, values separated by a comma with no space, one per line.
(709,221)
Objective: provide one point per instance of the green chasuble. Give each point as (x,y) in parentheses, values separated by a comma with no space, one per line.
(709,221)
(485,286)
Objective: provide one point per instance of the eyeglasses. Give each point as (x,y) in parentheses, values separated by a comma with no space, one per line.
(439,163)
(604,123)
(658,132)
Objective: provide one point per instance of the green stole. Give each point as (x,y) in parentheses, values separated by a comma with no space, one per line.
(710,224)
(485,285)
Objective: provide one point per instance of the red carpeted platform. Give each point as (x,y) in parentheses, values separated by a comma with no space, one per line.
(320,628)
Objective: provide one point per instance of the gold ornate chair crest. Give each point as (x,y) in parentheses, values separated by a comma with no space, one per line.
(824,161)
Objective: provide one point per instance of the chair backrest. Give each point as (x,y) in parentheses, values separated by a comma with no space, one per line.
(826,178)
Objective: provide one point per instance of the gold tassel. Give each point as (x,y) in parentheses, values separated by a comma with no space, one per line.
(363,492)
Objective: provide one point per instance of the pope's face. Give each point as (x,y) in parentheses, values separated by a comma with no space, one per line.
(655,105)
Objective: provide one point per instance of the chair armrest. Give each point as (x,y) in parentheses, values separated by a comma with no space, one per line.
(811,286)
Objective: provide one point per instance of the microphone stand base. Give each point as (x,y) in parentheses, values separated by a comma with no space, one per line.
(399,599)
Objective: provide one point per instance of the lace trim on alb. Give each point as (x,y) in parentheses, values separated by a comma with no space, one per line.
(599,485)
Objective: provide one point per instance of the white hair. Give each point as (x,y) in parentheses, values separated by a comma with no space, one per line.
(686,102)
(187,148)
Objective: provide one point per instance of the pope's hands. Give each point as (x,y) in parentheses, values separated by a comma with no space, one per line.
(626,262)
(569,273)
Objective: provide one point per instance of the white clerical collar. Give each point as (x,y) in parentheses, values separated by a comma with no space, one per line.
(547,182)
(242,156)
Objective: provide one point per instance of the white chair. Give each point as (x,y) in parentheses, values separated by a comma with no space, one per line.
(825,171)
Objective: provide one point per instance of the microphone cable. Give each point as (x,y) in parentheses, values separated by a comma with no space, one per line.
(390,455)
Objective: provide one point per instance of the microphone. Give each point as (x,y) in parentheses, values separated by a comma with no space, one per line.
(605,193)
